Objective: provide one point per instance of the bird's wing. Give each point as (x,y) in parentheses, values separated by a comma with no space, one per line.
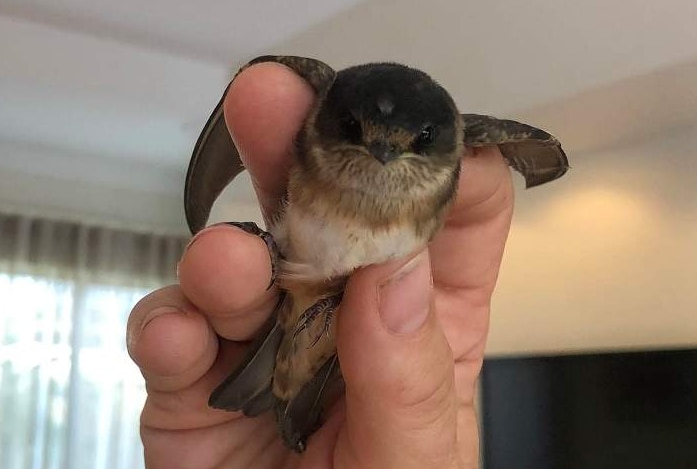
(215,161)
(534,153)
(248,388)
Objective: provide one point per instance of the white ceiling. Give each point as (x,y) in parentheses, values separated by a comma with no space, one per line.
(207,30)
(113,94)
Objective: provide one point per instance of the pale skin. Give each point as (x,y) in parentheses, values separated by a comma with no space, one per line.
(411,352)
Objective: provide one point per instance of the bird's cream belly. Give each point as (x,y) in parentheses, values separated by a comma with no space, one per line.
(317,248)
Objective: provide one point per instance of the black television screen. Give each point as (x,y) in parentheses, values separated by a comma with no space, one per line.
(630,410)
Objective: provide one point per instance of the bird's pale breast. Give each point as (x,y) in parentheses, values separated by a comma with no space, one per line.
(323,247)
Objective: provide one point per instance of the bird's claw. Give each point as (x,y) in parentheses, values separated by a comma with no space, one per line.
(274,255)
(326,306)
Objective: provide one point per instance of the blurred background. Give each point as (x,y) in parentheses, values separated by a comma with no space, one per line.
(101,103)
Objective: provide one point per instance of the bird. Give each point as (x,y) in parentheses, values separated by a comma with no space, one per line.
(377,169)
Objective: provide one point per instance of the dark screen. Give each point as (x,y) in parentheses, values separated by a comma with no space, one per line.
(619,410)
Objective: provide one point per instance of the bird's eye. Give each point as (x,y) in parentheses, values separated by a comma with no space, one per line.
(427,135)
(351,129)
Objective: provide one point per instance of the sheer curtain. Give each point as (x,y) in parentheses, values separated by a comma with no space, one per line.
(69,395)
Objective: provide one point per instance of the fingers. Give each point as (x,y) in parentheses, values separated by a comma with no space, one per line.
(181,359)
(264,110)
(467,252)
(169,340)
(239,443)
(398,369)
(466,256)
(225,272)
(173,334)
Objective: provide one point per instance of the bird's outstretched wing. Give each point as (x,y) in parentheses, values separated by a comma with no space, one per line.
(215,161)
(534,153)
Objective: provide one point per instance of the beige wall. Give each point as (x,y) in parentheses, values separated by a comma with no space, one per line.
(605,258)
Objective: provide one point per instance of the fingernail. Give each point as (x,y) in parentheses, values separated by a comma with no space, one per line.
(157,312)
(206,230)
(134,333)
(405,297)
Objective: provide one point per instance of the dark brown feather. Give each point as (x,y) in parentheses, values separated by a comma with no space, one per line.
(534,153)
(302,415)
(248,388)
(215,162)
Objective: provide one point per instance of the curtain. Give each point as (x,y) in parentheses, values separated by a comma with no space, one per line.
(70,397)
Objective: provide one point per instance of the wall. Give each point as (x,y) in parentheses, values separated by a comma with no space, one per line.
(605,258)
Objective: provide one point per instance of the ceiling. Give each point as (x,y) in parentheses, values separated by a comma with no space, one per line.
(108,97)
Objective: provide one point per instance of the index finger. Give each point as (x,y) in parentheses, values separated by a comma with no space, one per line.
(466,254)
(226,272)
(264,111)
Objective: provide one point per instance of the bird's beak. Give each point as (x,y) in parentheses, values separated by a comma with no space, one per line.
(383,152)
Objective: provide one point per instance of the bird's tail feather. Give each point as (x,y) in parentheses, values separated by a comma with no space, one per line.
(302,415)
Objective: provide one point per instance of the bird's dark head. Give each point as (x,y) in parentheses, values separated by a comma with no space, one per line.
(383,123)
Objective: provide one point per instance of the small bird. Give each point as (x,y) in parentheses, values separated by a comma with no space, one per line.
(378,164)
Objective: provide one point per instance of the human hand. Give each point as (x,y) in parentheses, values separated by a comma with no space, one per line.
(410,350)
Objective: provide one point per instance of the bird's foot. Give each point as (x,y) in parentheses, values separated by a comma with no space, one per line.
(326,306)
(274,255)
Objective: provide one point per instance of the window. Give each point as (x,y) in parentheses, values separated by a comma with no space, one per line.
(70,397)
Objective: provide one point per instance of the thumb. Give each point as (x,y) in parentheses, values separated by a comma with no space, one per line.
(398,369)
